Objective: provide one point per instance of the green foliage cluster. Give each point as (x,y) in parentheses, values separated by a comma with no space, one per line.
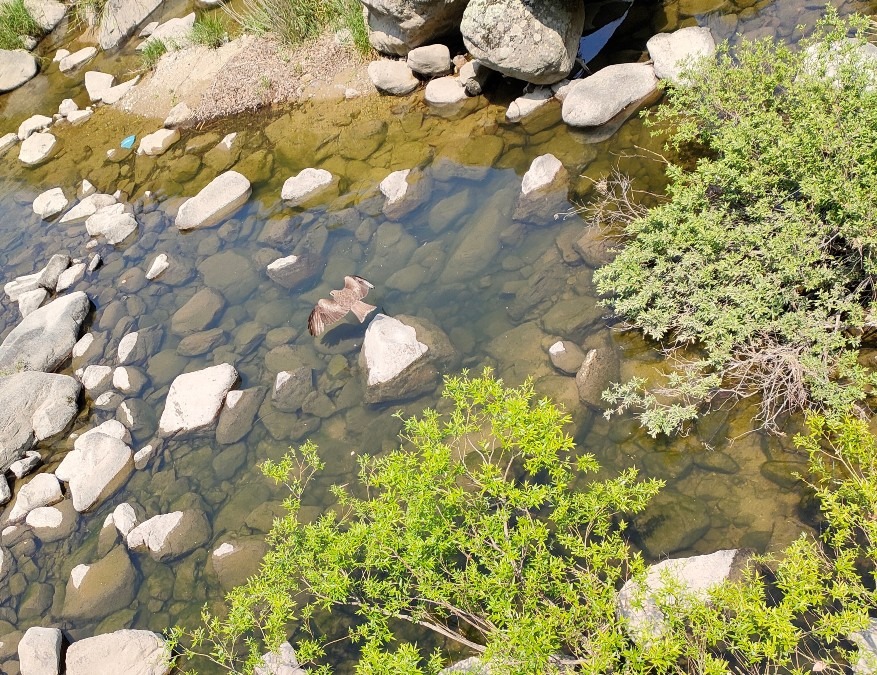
(480,529)
(152,51)
(209,30)
(294,21)
(757,272)
(15,23)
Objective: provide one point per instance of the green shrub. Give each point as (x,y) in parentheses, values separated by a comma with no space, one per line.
(152,52)
(480,529)
(209,30)
(15,23)
(757,271)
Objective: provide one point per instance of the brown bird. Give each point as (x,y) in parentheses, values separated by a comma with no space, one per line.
(348,299)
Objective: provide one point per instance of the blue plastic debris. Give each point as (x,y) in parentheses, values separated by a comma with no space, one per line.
(128,141)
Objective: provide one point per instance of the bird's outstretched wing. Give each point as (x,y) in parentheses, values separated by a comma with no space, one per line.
(358,285)
(325,313)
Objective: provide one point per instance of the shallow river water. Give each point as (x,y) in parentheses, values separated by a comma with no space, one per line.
(502,291)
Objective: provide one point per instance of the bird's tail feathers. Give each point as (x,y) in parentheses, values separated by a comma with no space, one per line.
(362,310)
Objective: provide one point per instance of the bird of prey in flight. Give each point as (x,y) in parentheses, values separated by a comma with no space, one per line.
(348,299)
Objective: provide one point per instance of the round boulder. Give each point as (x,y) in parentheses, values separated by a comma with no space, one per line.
(17,66)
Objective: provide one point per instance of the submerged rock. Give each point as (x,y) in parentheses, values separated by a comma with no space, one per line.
(195,399)
(597,99)
(529,103)
(95,591)
(44,339)
(224,195)
(234,561)
(534,42)
(566,356)
(33,406)
(672,52)
(42,490)
(238,414)
(17,66)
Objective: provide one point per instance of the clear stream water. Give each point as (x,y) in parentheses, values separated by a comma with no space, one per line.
(519,288)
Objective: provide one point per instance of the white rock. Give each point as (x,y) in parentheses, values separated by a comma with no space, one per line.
(87,207)
(394,186)
(128,380)
(17,66)
(42,490)
(97,84)
(173,32)
(528,104)
(445,91)
(20,285)
(228,141)
(37,148)
(50,203)
(148,29)
(77,59)
(60,54)
(430,60)
(53,523)
(672,52)
(281,662)
(133,652)
(114,94)
(70,276)
(26,465)
(7,141)
(109,400)
(112,428)
(159,265)
(543,174)
(68,105)
(82,344)
(224,195)
(44,516)
(39,651)
(31,301)
(114,224)
(389,347)
(195,399)
(126,346)
(170,535)
(598,98)
(392,77)
(32,125)
(77,117)
(158,142)
(306,184)
(124,518)
(178,116)
(142,456)
(96,470)
(97,379)
(86,189)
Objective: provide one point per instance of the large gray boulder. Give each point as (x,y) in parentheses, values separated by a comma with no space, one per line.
(397,26)
(134,652)
(17,66)
(600,97)
(47,13)
(45,338)
(532,41)
(97,467)
(638,600)
(33,406)
(119,18)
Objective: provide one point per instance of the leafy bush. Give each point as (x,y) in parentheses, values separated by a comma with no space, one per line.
(152,52)
(294,21)
(16,22)
(209,30)
(756,273)
(480,529)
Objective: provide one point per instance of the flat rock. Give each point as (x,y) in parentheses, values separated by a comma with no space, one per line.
(50,203)
(7,141)
(96,379)
(598,98)
(39,651)
(37,148)
(53,523)
(430,60)
(70,277)
(113,223)
(42,490)
(133,652)
(33,124)
(158,142)
(93,592)
(529,103)
(33,406)
(77,59)
(307,184)
(392,77)
(43,340)
(224,195)
(17,66)
(171,535)
(444,91)
(672,52)
(96,469)
(195,399)
(77,117)
(89,205)
(46,13)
